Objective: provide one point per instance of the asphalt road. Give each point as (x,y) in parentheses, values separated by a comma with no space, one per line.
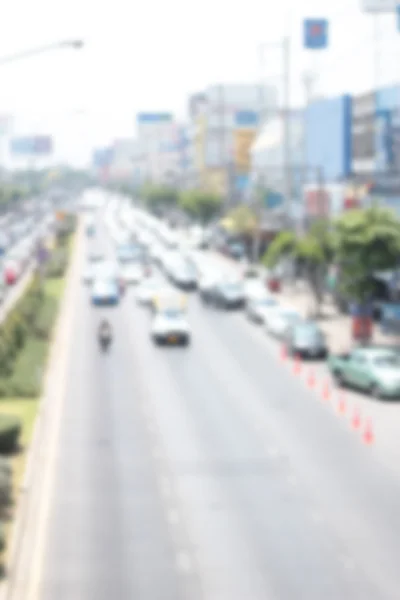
(209,472)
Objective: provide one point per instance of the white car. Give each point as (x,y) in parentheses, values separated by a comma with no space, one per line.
(277,321)
(147,290)
(253,287)
(258,307)
(133,273)
(170,326)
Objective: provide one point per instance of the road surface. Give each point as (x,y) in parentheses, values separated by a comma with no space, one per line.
(209,473)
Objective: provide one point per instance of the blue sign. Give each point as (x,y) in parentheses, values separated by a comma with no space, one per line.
(273,199)
(241,182)
(146,118)
(41,145)
(316,34)
(246,118)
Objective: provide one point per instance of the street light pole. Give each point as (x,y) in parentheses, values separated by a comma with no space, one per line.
(74,44)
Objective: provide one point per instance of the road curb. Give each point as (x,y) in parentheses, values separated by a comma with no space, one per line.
(24,503)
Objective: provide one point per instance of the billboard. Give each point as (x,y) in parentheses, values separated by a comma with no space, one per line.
(38,145)
(150,118)
(315,34)
(243,141)
(246,118)
(379,6)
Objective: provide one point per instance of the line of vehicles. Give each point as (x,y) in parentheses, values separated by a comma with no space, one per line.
(164,275)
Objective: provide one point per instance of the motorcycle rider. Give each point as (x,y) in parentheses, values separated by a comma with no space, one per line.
(105,332)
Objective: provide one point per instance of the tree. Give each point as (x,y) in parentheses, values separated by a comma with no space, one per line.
(244,220)
(284,245)
(199,204)
(315,250)
(159,196)
(366,241)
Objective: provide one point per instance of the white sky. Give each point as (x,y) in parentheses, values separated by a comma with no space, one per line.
(151,55)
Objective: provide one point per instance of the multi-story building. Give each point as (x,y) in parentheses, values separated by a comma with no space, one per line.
(225,119)
(158,136)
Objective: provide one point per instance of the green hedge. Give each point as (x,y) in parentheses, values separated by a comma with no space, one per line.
(10,430)
(25,333)
(58,263)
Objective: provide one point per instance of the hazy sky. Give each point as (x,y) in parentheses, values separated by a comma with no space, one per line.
(150,55)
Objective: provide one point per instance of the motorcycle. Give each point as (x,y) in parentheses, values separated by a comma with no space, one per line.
(105,342)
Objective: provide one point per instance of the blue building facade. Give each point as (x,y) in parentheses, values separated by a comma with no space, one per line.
(328,140)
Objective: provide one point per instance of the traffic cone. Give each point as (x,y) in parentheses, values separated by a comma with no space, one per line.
(297,365)
(368,435)
(356,420)
(284,353)
(311,379)
(341,407)
(326,390)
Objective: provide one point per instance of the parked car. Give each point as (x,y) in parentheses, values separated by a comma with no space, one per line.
(278,320)
(225,294)
(371,369)
(258,306)
(306,340)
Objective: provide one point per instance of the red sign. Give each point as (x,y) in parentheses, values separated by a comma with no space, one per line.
(317,203)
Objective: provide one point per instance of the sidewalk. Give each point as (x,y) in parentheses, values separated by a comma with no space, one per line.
(336,326)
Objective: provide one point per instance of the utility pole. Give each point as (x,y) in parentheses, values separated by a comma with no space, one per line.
(224,166)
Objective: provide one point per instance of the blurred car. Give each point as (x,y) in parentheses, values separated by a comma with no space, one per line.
(132,272)
(168,299)
(149,289)
(371,369)
(183,275)
(95,256)
(225,294)
(278,320)
(170,326)
(306,340)
(12,272)
(129,252)
(258,307)
(105,292)
(253,287)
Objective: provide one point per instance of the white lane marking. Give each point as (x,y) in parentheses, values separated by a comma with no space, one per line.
(183,562)
(173,516)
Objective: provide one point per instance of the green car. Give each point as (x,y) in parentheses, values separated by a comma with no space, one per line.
(372,369)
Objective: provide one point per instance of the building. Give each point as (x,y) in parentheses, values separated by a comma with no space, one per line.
(157,135)
(329,136)
(225,119)
(268,156)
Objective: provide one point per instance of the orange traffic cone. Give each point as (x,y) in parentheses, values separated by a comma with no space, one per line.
(341,407)
(356,420)
(297,365)
(368,435)
(326,390)
(311,379)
